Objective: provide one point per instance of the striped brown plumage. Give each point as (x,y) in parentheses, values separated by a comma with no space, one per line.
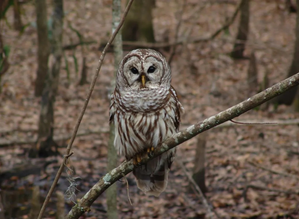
(145,110)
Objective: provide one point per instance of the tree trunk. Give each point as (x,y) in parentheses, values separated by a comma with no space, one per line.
(17,16)
(289,96)
(1,208)
(35,202)
(243,30)
(4,65)
(46,119)
(252,75)
(112,212)
(291,6)
(60,203)
(138,25)
(83,79)
(199,162)
(111,192)
(43,47)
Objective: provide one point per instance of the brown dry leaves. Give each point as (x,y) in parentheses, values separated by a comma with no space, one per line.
(207,81)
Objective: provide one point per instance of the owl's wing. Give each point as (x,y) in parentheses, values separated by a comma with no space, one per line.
(112,109)
(178,110)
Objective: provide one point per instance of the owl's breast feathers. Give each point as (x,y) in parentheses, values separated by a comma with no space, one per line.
(144,119)
(142,100)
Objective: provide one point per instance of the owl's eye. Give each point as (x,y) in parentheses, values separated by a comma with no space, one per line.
(151,69)
(134,70)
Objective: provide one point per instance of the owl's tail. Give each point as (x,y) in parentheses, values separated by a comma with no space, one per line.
(152,183)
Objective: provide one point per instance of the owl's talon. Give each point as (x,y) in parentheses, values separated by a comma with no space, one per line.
(149,151)
(137,159)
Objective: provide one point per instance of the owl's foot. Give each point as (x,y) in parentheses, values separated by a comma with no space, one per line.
(138,157)
(150,150)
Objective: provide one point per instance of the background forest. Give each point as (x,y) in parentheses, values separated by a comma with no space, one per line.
(220,51)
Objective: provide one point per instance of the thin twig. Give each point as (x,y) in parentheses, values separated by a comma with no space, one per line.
(73,46)
(95,76)
(128,190)
(228,23)
(180,137)
(211,213)
(252,123)
(273,171)
(288,192)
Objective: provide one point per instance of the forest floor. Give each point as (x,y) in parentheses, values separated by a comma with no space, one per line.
(252,170)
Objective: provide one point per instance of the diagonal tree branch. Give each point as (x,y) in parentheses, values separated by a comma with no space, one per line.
(180,137)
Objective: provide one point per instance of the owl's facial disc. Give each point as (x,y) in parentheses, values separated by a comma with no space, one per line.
(145,72)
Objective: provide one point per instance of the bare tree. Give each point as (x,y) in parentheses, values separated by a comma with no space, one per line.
(43,46)
(1,208)
(139,23)
(35,202)
(291,6)
(243,30)
(17,15)
(4,65)
(199,162)
(46,119)
(252,73)
(112,155)
(289,96)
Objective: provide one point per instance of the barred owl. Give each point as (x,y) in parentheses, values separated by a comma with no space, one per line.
(145,110)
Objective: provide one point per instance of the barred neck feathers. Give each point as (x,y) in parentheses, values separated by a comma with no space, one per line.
(143,100)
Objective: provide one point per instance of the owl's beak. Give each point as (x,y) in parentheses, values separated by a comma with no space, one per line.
(143,80)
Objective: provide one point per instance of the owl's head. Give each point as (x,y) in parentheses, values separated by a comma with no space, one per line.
(143,69)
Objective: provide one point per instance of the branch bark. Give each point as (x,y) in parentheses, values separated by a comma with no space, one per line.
(180,137)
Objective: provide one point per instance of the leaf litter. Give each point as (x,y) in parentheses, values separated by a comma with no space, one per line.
(243,162)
